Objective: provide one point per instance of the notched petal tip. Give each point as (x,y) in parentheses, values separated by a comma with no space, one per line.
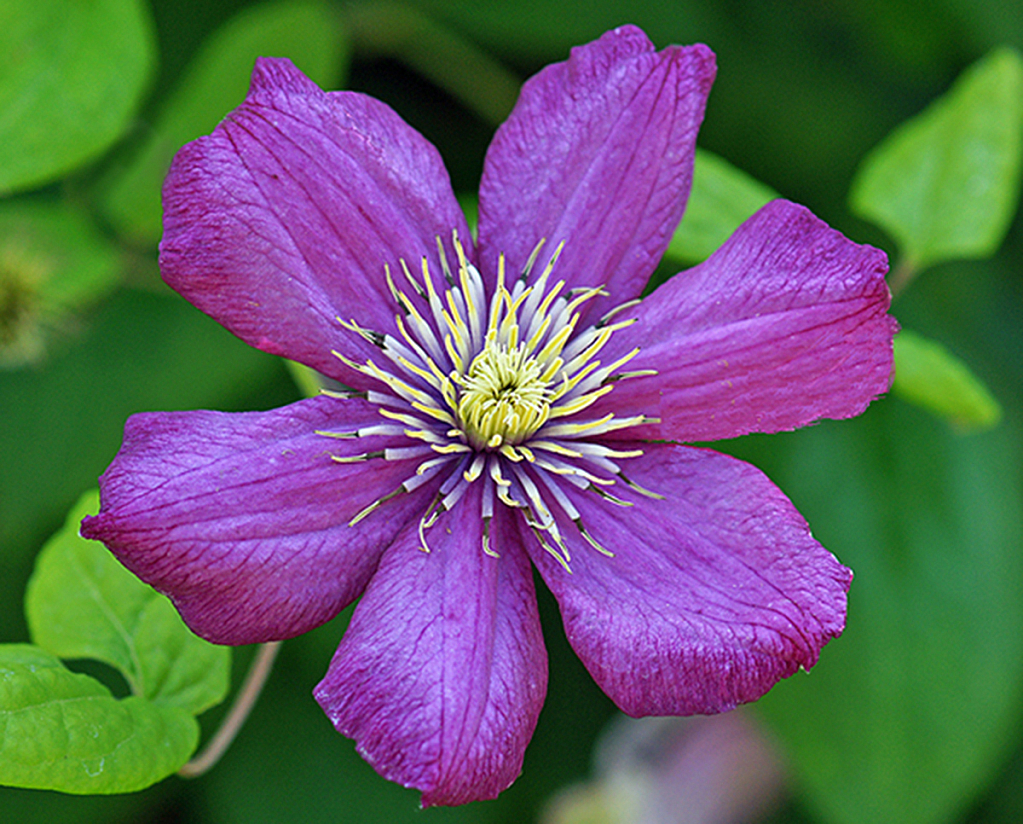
(292,208)
(784,325)
(616,124)
(242,518)
(442,672)
(279,74)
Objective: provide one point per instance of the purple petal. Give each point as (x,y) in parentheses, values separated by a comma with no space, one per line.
(285,216)
(442,671)
(242,519)
(783,325)
(714,594)
(598,153)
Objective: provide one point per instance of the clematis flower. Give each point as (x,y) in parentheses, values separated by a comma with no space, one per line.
(511,402)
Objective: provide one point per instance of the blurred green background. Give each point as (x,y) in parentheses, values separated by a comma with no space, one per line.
(914,715)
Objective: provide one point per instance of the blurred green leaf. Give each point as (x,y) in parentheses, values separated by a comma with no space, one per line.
(308,381)
(53,261)
(64,731)
(455,64)
(470,203)
(62,424)
(927,374)
(945,184)
(909,714)
(299,747)
(82,603)
(216,81)
(71,78)
(542,30)
(721,199)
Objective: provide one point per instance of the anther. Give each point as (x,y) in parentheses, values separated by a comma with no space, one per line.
(590,540)
(365,456)
(639,489)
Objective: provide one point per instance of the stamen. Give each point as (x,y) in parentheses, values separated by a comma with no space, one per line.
(373,506)
(444,258)
(638,373)
(365,456)
(451,448)
(619,308)
(530,308)
(404,453)
(424,470)
(434,412)
(591,541)
(639,489)
(531,260)
(486,538)
(607,496)
(494,468)
(557,448)
(535,498)
(551,551)
(343,394)
(559,495)
(492,387)
(376,338)
(572,471)
(408,276)
(390,285)
(476,468)
(425,523)
(599,450)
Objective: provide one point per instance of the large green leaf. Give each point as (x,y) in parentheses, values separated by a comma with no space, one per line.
(308,32)
(64,731)
(909,713)
(945,184)
(81,603)
(71,78)
(927,374)
(721,199)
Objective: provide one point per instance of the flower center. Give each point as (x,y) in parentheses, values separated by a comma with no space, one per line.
(493,389)
(504,398)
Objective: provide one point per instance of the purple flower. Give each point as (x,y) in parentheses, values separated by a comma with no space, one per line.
(512,401)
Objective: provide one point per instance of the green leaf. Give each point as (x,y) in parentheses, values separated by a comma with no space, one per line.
(81,603)
(71,79)
(945,184)
(53,261)
(927,374)
(910,713)
(470,203)
(64,731)
(215,83)
(721,199)
(538,31)
(51,452)
(436,52)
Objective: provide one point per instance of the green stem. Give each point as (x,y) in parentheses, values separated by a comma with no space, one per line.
(391,29)
(232,723)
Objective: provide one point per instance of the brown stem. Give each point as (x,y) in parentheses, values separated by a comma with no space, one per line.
(232,723)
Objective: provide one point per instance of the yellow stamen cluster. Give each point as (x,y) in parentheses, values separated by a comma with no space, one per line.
(488,388)
(504,397)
